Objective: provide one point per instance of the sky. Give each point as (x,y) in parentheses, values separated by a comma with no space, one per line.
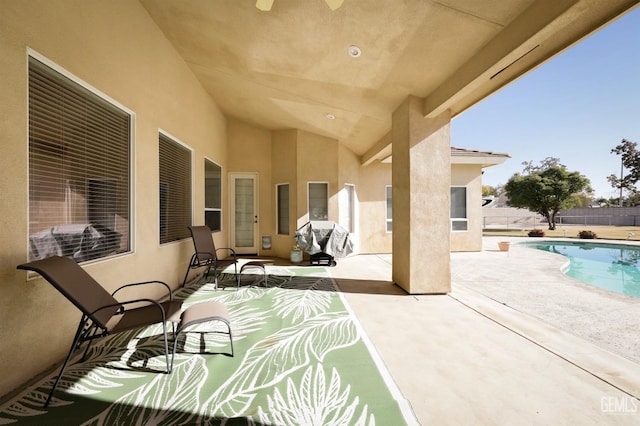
(576,107)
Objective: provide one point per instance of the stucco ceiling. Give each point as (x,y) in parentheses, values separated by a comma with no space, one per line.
(290,68)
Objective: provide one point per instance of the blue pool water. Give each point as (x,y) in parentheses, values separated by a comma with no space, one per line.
(608,266)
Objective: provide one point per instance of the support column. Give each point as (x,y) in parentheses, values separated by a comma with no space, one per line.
(421,181)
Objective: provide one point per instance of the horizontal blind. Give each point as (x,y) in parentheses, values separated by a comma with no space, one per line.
(175,190)
(458,202)
(283,208)
(212,195)
(79,163)
(318,201)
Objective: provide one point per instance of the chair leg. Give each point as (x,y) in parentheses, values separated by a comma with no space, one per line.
(166,348)
(215,278)
(230,339)
(89,339)
(186,275)
(74,345)
(180,329)
(235,266)
(175,340)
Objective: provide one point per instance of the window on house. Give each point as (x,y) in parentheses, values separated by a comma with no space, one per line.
(79,169)
(212,195)
(348,207)
(175,190)
(459,220)
(389,210)
(318,201)
(282,209)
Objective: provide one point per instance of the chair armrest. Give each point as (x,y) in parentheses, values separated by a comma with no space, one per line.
(128,302)
(233,252)
(213,256)
(145,282)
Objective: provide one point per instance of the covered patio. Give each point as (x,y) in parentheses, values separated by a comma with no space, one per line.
(269,117)
(462,357)
(467,357)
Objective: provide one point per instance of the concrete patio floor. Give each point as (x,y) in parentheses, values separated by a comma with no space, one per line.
(471,358)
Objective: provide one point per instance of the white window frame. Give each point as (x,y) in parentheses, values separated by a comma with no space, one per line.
(130,220)
(348,200)
(177,141)
(278,209)
(312,217)
(209,209)
(460,220)
(387,200)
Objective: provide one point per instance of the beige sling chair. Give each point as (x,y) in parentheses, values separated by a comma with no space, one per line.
(103,314)
(206,255)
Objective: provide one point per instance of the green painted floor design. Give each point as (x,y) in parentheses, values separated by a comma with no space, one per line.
(300,359)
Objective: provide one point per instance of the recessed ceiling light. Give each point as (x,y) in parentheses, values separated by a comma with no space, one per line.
(354,51)
(330,116)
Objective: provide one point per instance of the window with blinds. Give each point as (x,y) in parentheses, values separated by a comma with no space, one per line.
(318,201)
(459,221)
(282,208)
(212,195)
(175,190)
(79,169)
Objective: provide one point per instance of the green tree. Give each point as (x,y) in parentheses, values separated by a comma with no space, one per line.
(582,199)
(488,190)
(546,189)
(630,157)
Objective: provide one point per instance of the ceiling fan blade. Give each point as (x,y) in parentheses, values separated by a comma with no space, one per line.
(264,5)
(334,4)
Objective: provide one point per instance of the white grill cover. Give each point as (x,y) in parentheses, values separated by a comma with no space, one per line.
(324,236)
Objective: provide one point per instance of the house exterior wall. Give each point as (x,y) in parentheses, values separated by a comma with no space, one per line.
(373,207)
(116,48)
(249,150)
(284,154)
(317,161)
(469,176)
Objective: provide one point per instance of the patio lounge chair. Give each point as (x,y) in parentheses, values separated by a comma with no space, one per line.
(99,307)
(206,255)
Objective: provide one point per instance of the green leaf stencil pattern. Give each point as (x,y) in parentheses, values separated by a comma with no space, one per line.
(299,359)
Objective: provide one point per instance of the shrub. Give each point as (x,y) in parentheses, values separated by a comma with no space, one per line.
(587,235)
(536,233)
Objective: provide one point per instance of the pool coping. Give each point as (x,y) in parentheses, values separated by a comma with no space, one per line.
(616,370)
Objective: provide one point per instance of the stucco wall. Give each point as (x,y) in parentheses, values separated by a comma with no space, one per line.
(283,159)
(250,151)
(373,207)
(115,47)
(317,161)
(421,180)
(349,173)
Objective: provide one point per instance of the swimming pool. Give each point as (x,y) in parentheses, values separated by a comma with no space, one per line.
(612,267)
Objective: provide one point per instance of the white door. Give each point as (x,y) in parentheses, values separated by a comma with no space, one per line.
(244,207)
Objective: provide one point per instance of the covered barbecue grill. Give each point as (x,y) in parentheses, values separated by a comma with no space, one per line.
(323,241)
(82,242)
